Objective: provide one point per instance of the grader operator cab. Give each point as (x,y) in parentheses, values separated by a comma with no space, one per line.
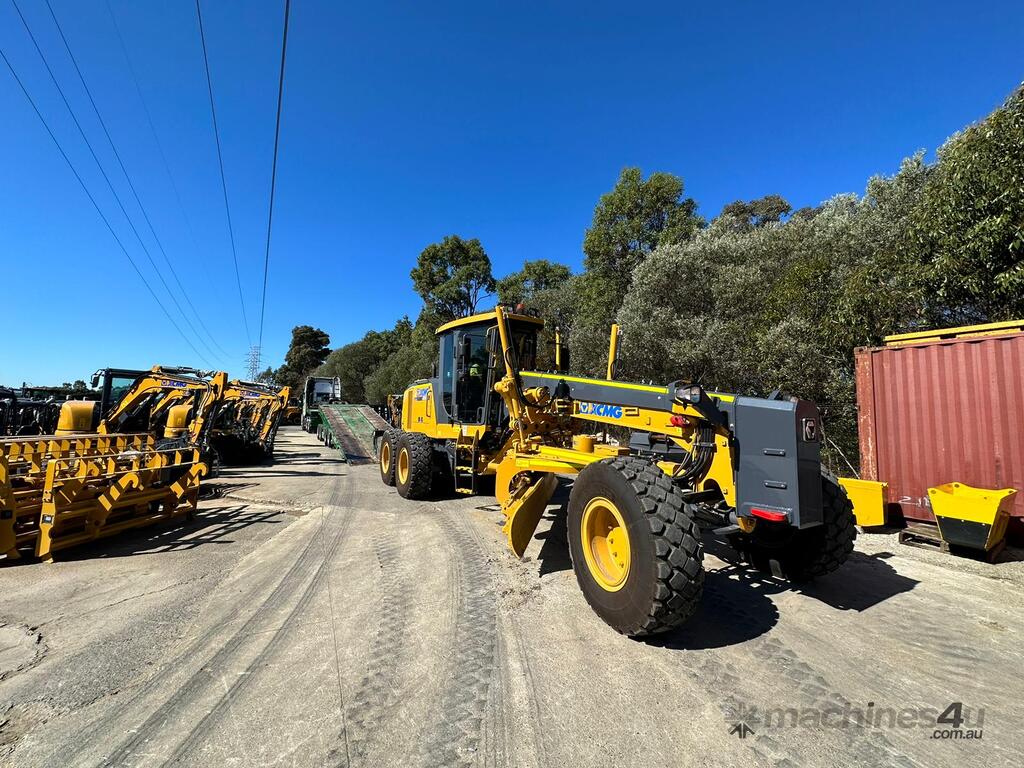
(746,468)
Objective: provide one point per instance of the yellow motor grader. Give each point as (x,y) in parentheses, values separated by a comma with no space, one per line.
(746,468)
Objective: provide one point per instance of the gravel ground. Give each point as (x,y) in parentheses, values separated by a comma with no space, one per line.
(312,617)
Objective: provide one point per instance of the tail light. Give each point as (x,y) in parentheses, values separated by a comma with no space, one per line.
(770,514)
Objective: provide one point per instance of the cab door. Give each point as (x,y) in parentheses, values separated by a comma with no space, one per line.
(472,364)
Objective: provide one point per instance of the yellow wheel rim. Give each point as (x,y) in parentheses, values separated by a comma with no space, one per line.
(403,465)
(385,456)
(605,543)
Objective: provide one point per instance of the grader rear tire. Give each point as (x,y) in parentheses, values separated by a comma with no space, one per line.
(386,455)
(804,555)
(414,465)
(636,551)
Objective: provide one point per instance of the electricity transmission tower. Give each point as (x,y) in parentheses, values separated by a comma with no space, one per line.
(253,362)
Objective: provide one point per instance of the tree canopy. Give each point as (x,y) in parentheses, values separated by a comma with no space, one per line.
(452,276)
(763,297)
(970,222)
(535,277)
(309,348)
(634,218)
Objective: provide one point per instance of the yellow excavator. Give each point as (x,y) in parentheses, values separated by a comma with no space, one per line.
(247,420)
(175,405)
(135,457)
(746,468)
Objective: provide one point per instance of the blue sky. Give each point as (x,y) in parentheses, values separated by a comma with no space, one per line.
(404,122)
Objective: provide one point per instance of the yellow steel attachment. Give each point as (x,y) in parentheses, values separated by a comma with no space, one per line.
(868,498)
(526,497)
(605,543)
(56,493)
(971,517)
(583,443)
(403,465)
(613,351)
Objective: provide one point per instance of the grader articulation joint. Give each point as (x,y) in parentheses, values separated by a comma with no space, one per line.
(747,468)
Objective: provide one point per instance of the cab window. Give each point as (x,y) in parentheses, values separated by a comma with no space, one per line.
(472,369)
(447,371)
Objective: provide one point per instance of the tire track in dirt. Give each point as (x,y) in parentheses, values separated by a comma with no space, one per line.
(100,726)
(871,745)
(724,679)
(461,724)
(377,691)
(810,686)
(289,583)
(209,721)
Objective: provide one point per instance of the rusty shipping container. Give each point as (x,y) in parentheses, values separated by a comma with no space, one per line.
(940,407)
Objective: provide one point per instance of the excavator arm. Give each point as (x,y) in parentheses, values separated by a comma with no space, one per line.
(161,390)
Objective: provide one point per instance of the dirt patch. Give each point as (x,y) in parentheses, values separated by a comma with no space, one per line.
(20,648)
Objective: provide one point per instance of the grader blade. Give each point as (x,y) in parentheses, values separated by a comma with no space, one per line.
(523,510)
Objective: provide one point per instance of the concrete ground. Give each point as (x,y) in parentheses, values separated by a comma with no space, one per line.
(311,617)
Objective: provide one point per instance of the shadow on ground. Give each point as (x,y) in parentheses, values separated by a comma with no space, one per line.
(209,526)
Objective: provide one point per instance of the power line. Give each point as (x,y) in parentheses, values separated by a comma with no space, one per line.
(95,205)
(220,161)
(103,173)
(128,178)
(162,153)
(273,172)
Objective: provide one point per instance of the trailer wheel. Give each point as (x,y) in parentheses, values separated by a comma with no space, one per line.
(386,455)
(636,551)
(414,465)
(813,552)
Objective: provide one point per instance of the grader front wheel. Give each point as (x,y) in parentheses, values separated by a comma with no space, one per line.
(635,550)
(414,465)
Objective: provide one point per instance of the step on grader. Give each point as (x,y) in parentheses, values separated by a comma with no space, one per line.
(746,468)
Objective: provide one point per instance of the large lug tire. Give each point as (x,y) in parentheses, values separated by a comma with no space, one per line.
(636,551)
(386,455)
(414,465)
(803,555)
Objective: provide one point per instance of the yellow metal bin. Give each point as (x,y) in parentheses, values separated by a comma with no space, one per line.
(868,498)
(971,517)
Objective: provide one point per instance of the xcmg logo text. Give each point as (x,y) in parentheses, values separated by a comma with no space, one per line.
(602,409)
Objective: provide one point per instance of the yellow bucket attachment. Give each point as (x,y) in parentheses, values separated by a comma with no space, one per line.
(971,517)
(523,509)
(868,498)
